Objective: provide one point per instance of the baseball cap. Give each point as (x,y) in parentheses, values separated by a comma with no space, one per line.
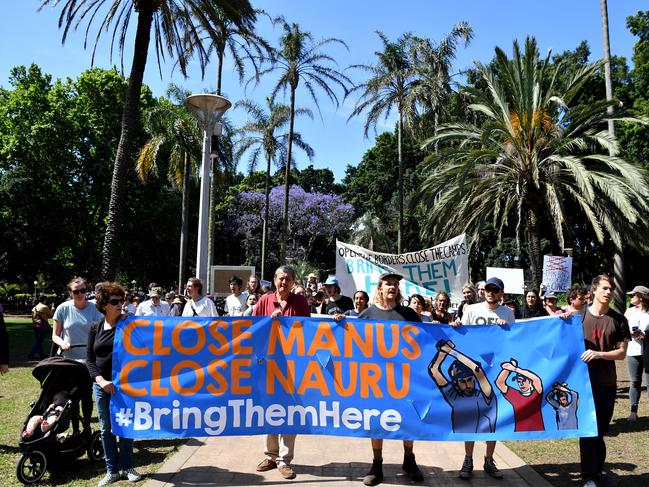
(494,281)
(331,281)
(155,293)
(643,290)
(389,274)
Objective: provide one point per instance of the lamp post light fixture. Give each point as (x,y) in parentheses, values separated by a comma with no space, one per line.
(208,109)
(35,288)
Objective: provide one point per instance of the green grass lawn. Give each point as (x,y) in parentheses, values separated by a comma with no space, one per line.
(627,446)
(18,389)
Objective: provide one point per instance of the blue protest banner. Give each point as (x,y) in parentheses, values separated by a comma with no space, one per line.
(185,378)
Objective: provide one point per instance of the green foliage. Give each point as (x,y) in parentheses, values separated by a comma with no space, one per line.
(57,143)
(538,156)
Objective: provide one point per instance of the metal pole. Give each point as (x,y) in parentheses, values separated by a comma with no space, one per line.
(204,202)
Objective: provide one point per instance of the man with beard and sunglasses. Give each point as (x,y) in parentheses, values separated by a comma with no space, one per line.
(488,312)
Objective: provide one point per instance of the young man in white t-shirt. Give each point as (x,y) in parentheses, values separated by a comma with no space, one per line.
(488,312)
(235,303)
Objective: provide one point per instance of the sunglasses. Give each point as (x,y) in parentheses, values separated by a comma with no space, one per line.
(492,290)
(116,301)
(76,292)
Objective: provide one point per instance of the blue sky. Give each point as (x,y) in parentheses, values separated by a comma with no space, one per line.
(29,36)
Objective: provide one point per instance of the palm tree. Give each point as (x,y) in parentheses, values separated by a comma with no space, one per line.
(258,137)
(433,64)
(175,138)
(300,58)
(175,24)
(393,83)
(368,231)
(536,157)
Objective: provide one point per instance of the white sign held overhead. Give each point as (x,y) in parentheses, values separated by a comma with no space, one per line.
(513,279)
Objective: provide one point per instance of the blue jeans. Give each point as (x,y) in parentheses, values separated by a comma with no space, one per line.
(108,439)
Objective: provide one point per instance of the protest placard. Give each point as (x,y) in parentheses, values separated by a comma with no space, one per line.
(557,273)
(513,279)
(444,267)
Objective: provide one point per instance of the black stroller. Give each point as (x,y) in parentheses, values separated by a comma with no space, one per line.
(57,445)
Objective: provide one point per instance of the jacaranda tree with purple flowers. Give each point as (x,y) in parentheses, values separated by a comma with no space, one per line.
(315,221)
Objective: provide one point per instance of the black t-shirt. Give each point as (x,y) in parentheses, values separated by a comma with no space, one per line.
(342,304)
(399,313)
(601,333)
(99,354)
(534,313)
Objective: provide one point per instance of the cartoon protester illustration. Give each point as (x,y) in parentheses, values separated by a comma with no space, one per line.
(473,409)
(527,401)
(565,407)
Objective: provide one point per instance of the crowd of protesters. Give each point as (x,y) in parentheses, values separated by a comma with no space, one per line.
(83,329)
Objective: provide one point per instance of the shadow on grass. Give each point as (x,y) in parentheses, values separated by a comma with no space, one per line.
(83,469)
(568,474)
(622,425)
(9,449)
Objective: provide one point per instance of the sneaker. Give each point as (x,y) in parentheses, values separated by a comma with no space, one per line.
(411,468)
(132,475)
(467,468)
(590,483)
(286,471)
(605,480)
(375,475)
(491,469)
(633,417)
(109,478)
(266,465)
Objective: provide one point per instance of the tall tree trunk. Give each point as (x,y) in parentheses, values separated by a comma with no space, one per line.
(264,235)
(533,232)
(184,225)
(400,197)
(125,146)
(287,177)
(619,277)
(219,71)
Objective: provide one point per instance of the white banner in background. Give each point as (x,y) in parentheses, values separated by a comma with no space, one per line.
(444,267)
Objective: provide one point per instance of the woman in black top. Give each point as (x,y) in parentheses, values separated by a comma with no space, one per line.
(109,300)
(533,307)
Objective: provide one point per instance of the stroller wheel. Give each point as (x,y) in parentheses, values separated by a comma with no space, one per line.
(31,467)
(95,448)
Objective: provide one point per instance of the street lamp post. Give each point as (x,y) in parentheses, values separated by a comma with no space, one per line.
(35,288)
(208,109)
(133,283)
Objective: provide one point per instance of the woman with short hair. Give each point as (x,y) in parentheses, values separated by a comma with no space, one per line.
(110,298)
(418,303)
(72,321)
